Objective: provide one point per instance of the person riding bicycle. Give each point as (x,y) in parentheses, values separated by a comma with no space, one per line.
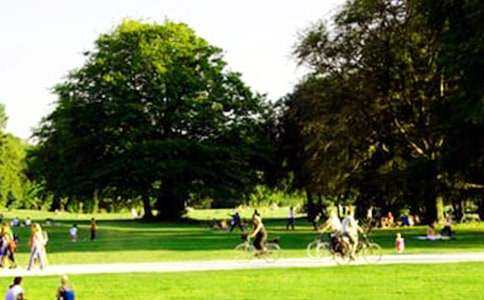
(334,226)
(351,230)
(259,234)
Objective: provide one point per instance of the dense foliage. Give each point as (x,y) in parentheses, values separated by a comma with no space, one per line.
(153,114)
(391,111)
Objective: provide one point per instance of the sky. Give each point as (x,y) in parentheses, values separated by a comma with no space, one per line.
(41,40)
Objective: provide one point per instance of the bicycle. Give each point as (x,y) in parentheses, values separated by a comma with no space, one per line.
(314,248)
(246,250)
(340,250)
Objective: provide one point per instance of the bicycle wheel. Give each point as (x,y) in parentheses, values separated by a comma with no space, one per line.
(272,253)
(244,251)
(372,253)
(322,250)
(312,249)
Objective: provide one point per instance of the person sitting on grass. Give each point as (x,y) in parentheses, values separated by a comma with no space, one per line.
(432,232)
(65,291)
(259,234)
(15,222)
(447,230)
(15,290)
(73,233)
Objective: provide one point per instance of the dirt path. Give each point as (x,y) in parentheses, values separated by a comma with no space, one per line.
(190,266)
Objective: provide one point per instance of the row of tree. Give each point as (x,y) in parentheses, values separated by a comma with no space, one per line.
(392,112)
(389,115)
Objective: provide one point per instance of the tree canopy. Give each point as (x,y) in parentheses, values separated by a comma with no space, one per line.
(154,113)
(386,108)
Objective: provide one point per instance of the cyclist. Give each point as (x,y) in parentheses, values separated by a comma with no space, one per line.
(334,226)
(351,230)
(259,234)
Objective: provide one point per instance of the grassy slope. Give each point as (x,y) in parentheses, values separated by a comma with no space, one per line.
(447,281)
(124,240)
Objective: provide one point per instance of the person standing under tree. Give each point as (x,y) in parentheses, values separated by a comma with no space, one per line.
(93,229)
(291,220)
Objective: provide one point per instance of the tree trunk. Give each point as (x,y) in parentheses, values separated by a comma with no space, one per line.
(170,202)
(435,210)
(310,209)
(56,203)
(148,213)
(170,207)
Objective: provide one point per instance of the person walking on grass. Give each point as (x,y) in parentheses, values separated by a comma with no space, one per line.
(65,291)
(93,229)
(8,246)
(291,220)
(37,242)
(236,222)
(15,290)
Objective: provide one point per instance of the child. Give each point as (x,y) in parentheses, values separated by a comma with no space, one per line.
(73,233)
(399,243)
(93,229)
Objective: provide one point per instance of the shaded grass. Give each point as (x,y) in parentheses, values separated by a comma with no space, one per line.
(445,281)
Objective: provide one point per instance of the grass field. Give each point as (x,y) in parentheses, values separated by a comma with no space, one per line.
(125,240)
(446,281)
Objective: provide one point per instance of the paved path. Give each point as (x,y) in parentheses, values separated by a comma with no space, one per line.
(187,266)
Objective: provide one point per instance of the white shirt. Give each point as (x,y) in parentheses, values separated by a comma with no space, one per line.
(350,225)
(291,215)
(13,292)
(73,231)
(335,223)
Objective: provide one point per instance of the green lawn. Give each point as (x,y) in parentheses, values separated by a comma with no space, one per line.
(446,281)
(125,240)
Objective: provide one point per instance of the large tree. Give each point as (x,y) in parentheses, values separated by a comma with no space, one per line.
(377,106)
(153,114)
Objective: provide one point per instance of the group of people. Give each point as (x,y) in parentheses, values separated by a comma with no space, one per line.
(9,242)
(16,292)
(15,222)
(37,242)
(74,232)
(346,231)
